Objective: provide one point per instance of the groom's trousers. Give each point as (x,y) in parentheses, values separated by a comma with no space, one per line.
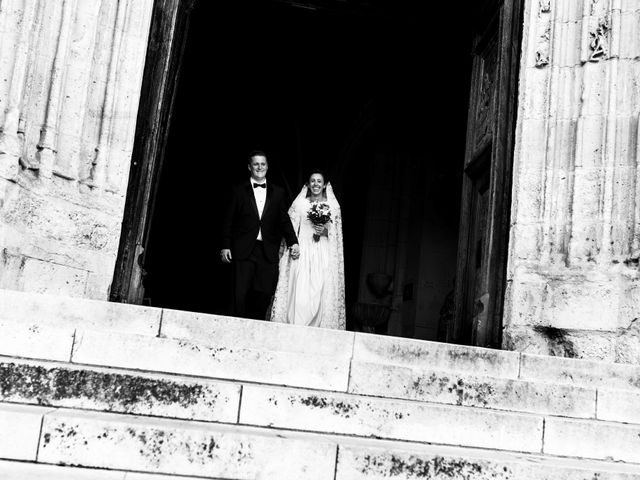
(254,282)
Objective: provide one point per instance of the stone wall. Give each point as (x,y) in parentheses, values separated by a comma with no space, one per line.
(70,76)
(573,279)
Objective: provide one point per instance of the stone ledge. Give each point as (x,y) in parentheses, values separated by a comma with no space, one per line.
(182,448)
(362,463)
(19,431)
(47,343)
(384,350)
(619,406)
(427,385)
(41,310)
(232,332)
(590,373)
(389,419)
(592,439)
(167,447)
(140,352)
(40,471)
(118,391)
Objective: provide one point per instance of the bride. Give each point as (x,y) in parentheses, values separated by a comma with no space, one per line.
(310,289)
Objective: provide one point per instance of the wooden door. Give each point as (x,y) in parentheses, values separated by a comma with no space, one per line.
(486,189)
(169,27)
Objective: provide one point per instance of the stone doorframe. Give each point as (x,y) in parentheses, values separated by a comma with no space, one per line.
(167,39)
(495,144)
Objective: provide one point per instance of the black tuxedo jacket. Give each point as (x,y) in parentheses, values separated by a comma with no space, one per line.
(242,222)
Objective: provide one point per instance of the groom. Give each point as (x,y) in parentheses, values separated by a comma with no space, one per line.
(252,230)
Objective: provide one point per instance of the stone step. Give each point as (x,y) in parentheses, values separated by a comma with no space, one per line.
(356,416)
(314,411)
(65,314)
(362,462)
(215,330)
(120,391)
(40,471)
(146,393)
(182,448)
(295,409)
(42,326)
(141,352)
(468,389)
(379,366)
(232,332)
(336,373)
(187,357)
(418,354)
(170,447)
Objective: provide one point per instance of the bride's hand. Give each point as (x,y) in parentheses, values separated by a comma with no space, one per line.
(320,229)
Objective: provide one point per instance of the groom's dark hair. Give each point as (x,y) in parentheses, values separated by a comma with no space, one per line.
(256,153)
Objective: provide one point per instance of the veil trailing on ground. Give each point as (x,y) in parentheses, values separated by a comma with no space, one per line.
(334,306)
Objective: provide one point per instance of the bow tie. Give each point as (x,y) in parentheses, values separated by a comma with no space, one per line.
(261,185)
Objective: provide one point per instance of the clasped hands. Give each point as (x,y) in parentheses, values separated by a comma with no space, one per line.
(225,253)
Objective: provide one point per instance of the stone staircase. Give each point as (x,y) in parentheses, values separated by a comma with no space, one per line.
(96,390)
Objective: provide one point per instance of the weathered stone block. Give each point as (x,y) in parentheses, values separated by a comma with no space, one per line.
(588,301)
(65,313)
(438,356)
(221,331)
(110,441)
(118,391)
(149,476)
(41,276)
(19,431)
(536,105)
(473,391)
(35,471)
(581,303)
(382,418)
(362,463)
(630,47)
(529,191)
(580,372)
(46,343)
(528,293)
(550,341)
(619,405)
(592,439)
(191,358)
(528,241)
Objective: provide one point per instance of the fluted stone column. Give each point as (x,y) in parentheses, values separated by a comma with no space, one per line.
(70,76)
(573,278)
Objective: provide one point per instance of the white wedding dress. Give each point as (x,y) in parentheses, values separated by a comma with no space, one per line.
(310,289)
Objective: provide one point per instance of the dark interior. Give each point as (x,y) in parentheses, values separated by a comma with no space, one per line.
(306,84)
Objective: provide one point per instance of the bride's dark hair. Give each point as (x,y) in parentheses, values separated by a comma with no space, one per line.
(317,171)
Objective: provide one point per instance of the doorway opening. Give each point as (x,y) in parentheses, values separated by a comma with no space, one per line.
(376,95)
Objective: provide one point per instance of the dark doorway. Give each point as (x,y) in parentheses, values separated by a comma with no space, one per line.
(375,93)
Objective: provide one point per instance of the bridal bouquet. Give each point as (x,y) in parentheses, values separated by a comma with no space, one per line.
(319,214)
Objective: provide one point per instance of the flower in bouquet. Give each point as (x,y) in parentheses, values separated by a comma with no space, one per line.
(319,214)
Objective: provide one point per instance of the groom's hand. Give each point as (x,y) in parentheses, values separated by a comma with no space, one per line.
(295,251)
(225,255)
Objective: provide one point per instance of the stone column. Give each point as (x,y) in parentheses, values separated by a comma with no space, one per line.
(70,76)
(573,279)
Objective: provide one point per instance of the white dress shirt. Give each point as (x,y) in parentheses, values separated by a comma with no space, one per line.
(260,195)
